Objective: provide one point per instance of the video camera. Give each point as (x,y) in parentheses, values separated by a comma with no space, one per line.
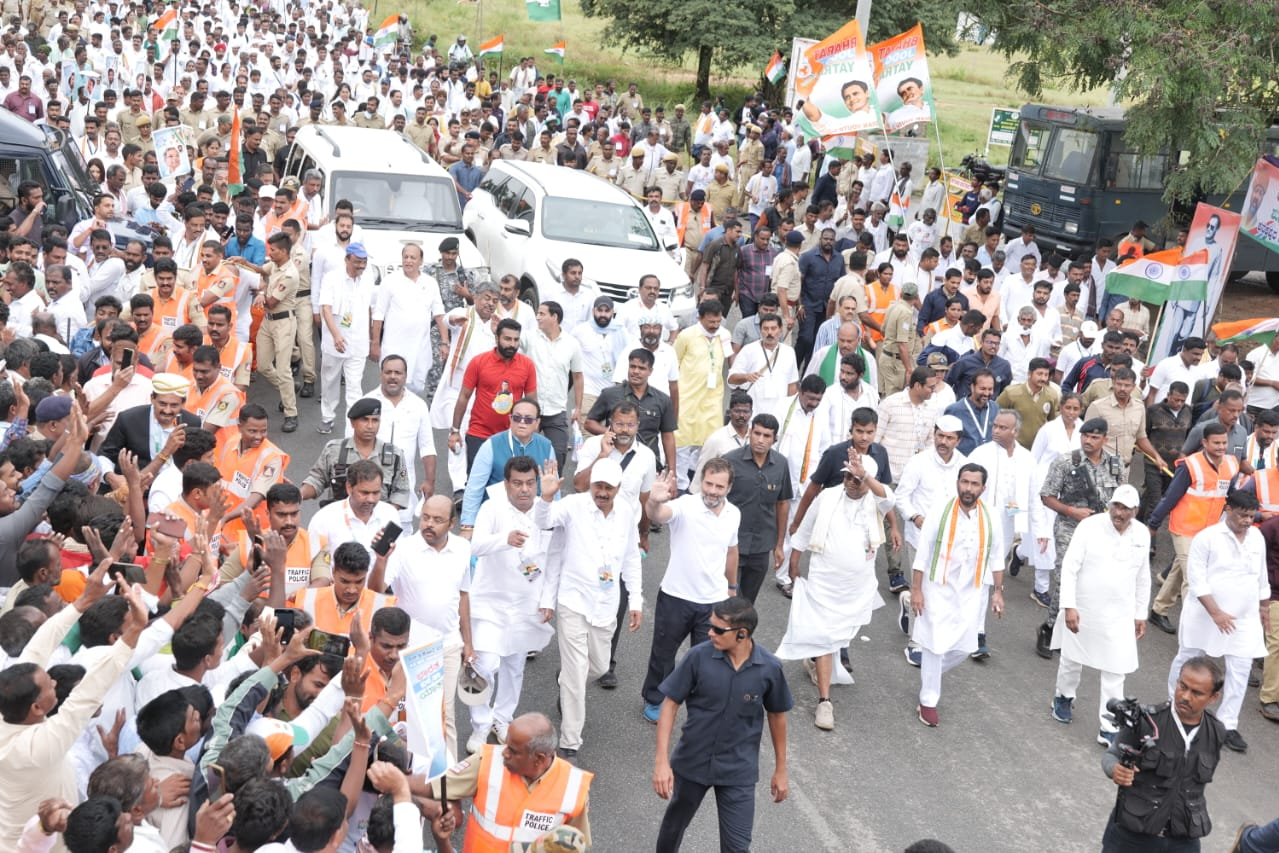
(1138,717)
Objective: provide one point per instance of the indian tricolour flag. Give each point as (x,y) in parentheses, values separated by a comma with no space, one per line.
(166,24)
(388,32)
(556,49)
(776,70)
(494,45)
(1259,330)
(1160,277)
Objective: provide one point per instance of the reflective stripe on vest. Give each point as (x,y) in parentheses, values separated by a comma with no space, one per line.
(504,810)
(1205,498)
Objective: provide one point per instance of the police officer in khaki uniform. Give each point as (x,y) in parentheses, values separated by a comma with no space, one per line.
(670,179)
(279,327)
(901,344)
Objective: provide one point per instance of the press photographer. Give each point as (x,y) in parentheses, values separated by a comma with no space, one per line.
(1161,760)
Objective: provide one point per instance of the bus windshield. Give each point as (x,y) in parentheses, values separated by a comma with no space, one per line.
(1070,155)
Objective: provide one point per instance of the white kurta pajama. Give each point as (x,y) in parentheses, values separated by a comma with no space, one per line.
(1234,574)
(506,593)
(956,568)
(1010,493)
(1105,575)
(837,598)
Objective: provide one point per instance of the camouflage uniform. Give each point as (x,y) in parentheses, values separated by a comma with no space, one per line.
(330,467)
(1075,481)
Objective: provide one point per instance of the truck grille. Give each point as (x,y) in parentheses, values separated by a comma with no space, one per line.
(1050,213)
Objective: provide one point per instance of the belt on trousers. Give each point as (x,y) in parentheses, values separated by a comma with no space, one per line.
(303,293)
(280,315)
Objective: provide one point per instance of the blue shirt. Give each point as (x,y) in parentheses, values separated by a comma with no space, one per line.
(961,373)
(467,177)
(253,251)
(490,462)
(818,276)
(979,424)
(726,707)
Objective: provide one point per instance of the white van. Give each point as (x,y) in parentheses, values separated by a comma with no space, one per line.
(399,193)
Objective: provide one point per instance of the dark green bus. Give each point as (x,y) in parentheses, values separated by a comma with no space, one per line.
(1072,176)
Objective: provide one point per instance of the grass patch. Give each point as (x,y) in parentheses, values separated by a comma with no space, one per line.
(966,86)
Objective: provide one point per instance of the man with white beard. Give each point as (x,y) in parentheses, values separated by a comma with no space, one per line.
(508,617)
(1010,493)
(1105,594)
(960,554)
(404,308)
(927,480)
(843,531)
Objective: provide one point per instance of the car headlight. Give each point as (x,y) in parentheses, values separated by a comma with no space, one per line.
(554,270)
(687,290)
(1072,228)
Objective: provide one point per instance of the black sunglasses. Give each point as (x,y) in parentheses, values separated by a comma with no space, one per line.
(721,631)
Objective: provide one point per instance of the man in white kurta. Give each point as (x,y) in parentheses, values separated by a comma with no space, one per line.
(960,552)
(1009,492)
(843,531)
(1105,595)
(766,369)
(1223,614)
(506,590)
(471,330)
(404,308)
(927,480)
(801,441)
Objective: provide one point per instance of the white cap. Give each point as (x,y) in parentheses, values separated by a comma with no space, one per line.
(950,423)
(606,471)
(473,688)
(1126,495)
(1088,329)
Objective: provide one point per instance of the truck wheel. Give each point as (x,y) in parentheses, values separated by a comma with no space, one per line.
(528,293)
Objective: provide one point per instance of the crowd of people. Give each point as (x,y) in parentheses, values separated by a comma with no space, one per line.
(197,656)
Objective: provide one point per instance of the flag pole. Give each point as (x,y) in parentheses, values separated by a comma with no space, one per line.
(941,160)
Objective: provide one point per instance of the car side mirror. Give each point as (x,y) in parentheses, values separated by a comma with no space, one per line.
(519,226)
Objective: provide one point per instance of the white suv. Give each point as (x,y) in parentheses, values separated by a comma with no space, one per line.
(399,193)
(528,218)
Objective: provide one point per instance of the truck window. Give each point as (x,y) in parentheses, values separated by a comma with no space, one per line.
(12,173)
(1028,147)
(1070,155)
(1128,170)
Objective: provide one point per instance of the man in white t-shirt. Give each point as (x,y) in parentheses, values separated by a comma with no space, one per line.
(702,571)
(346,300)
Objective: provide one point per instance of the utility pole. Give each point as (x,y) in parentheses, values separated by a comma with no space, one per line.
(863,18)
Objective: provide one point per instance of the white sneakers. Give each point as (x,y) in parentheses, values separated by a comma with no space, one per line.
(825,716)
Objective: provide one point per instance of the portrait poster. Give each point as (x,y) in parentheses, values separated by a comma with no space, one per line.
(1215,231)
(902,84)
(836,84)
(1261,205)
(171,151)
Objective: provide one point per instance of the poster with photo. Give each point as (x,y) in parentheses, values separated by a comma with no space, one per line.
(836,83)
(171,151)
(904,89)
(1215,231)
(1261,205)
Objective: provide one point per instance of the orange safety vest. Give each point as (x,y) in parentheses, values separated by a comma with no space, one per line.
(1267,481)
(155,342)
(230,357)
(322,604)
(877,302)
(183,510)
(272,223)
(1206,497)
(681,223)
(937,326)
(504,810)
(297,562)
(201,404)
(203,281)
(172,312)
(239,470)
(171,365)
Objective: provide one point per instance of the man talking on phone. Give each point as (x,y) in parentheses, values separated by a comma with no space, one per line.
(153,431)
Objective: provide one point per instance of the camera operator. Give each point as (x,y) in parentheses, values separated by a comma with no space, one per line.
(1161,760)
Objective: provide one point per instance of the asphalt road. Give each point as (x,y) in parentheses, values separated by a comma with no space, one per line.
(998,775)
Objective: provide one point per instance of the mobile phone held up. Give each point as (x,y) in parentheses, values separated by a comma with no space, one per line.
(390,533)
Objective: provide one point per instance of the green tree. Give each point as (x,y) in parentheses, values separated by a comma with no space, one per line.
(819,18)
(723,35)
(1197,78)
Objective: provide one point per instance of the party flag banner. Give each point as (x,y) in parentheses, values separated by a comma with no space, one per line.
(902,84)
(836,83)
(1161,277)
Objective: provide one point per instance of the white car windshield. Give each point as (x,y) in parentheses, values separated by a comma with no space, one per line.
(597,223)
(405,202)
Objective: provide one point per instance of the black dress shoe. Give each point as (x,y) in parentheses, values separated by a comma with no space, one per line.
(1014,565)
(1235,741)
(290,425)
(608,680)
(308,389)
(1163,623)
(569,755)
(280,405)
(1044,641)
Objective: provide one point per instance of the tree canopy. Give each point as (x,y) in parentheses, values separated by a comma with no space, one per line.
(729,37)
(1195,77)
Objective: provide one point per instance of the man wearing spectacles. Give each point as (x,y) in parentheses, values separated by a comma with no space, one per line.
(522,439)
(736,683)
